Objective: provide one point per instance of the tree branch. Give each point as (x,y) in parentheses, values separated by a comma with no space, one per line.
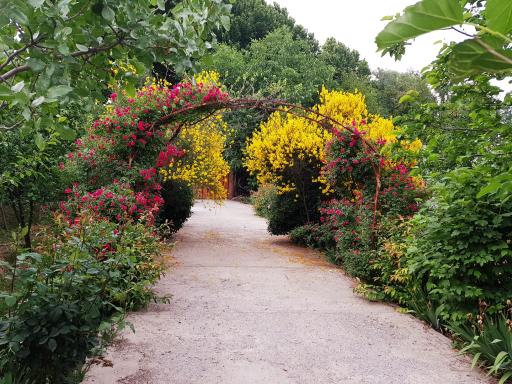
(91,51)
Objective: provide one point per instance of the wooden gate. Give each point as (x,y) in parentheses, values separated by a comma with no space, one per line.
(228,182)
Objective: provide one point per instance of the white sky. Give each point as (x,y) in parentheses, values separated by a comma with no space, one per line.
(356,23)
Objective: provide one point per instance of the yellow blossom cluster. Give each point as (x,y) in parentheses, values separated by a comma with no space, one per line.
(203,166)
(208,77)
(343,107)
(283,142)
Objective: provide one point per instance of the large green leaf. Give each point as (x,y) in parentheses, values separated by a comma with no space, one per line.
(476,56)
(58,91)
(420,18)
(499,15)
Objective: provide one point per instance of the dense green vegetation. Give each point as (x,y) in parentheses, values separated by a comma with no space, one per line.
(403,179)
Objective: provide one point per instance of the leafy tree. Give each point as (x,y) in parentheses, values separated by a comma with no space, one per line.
(345,61)
(254,19)
(391,86)
(485,52)
(54,52)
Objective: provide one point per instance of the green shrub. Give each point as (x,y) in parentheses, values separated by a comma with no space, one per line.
(286,212)
(461,247)
(315,236)
(54,318)
(263,199)
(177,208)
(61,303)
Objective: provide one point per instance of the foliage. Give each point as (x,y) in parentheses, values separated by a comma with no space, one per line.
(461,245)
(52,51)
(277,66)
(255,19)
(287,212)
(315,235)
(263,199)
(394,89)
(468,127)
(29,175)
(65,300)
(485,52)
(346,61)
(490,340)
(178,201)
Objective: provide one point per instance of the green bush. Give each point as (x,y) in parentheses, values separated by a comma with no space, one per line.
(315,236)
(263,199)
(286,212)
(60,304)
(461,247)
(54,318)
(177,208)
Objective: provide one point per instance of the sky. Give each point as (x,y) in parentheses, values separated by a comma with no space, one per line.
(356,23)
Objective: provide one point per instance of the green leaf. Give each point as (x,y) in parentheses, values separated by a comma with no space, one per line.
(81,47)
(35,64)
(226,22)
(475,56)
(36,3)
(107,13)
(4,90)
(52,345)
(475,359)
(499,15)
(423,17)
(40,142)
(65,133)
(18,15)
(505,377)
(58,91)
(161,4)
(37,102)
(18,87)
(488,189)
(10,301)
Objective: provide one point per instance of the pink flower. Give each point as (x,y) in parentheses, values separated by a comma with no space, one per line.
(113,96)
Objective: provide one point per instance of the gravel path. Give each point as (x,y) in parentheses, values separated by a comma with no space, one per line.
(250,308)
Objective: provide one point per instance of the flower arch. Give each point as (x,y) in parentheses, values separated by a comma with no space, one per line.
(135,138)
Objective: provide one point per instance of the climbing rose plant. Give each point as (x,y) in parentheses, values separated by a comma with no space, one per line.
(131,142)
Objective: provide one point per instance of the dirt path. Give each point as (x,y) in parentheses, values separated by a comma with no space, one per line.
(251,308)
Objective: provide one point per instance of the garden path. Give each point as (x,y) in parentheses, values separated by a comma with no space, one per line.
(250,308)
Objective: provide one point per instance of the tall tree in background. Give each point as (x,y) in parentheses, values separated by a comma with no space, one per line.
(345,61)
(392,85)
(255,19)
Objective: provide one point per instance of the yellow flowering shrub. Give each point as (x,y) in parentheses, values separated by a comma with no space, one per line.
(344,107)
(208,77)
(285,142)
(203,167)
(350,108)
